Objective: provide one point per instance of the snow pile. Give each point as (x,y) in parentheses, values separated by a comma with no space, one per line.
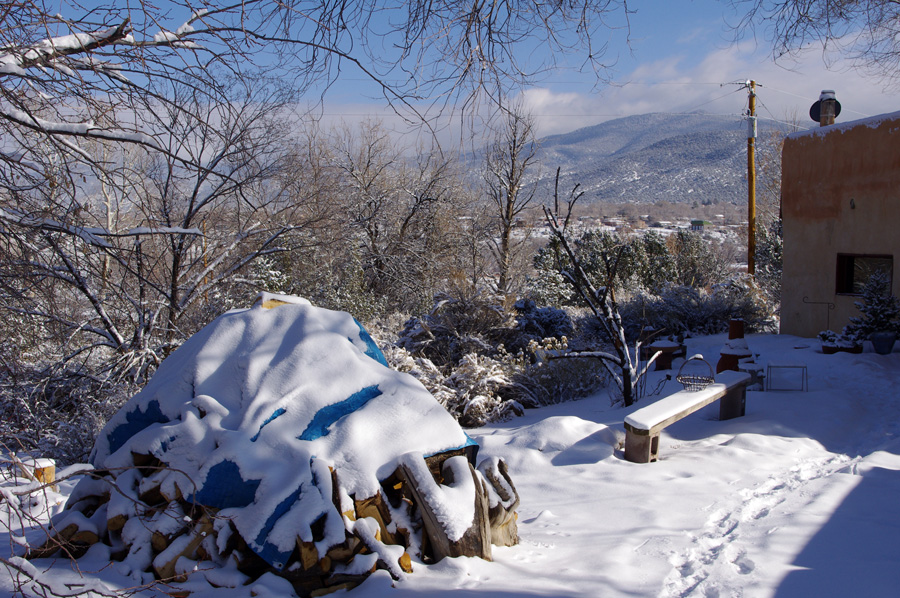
(274,430)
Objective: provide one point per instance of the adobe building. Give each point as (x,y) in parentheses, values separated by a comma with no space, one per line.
(841,214)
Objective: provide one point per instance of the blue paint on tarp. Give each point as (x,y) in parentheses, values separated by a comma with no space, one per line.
(267,551)
(224,487)
(135,421)
(164,445)
(328,415)
(278,412)
(372,349)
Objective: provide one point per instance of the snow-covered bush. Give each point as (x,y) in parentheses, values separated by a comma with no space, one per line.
(479,389)
(422,369)
(483,389)
(699,262)
(844,340)
(541,322)
(479,382)
(548,287)
(457,327)
(645,263)
(550,381)
(486,356)
(56,414)
(480,324)
(769,252)
(683,309)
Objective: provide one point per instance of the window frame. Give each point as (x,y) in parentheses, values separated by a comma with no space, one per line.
(845,282)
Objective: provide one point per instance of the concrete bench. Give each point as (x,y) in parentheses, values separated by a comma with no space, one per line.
(642,427)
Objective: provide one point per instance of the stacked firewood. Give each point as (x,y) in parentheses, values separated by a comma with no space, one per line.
(169,535)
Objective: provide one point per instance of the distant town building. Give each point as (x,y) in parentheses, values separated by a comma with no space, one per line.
(699,225)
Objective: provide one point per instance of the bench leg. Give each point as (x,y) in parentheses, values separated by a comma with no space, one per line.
(734,403)
(640,448)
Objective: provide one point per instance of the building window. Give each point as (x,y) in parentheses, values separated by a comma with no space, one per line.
(853,271)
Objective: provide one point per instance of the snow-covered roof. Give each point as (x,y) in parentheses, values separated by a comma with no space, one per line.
(252,413)
(871,121)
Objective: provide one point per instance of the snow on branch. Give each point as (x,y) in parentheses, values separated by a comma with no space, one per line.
(158,230)
(44,52)
(88,235)
(20,158)
(83,129)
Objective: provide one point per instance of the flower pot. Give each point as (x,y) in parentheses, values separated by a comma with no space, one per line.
(883,342)
(828,349)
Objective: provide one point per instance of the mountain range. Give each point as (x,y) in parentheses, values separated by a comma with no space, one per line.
(648,158)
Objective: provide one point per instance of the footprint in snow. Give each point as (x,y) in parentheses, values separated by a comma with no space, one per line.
(744,565)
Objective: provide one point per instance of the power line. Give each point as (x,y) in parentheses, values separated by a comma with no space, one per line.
(772,116)
(716,99)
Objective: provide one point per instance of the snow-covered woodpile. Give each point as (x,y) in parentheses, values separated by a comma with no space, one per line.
(277,440)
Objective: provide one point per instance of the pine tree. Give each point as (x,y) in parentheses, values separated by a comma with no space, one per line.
(879,309)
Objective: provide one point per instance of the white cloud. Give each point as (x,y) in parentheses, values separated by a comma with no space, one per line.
(672,84)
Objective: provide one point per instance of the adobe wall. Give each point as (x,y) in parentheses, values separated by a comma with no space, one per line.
(840,194)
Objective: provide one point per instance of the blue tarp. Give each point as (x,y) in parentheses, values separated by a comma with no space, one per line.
(242,410)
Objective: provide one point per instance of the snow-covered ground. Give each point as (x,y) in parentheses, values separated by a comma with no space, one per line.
(798,498)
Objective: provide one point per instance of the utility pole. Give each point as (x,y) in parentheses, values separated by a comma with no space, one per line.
(751,179)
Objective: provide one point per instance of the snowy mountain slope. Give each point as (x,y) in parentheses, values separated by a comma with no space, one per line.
(655,157)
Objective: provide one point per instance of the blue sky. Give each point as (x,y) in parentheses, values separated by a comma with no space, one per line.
(681,57)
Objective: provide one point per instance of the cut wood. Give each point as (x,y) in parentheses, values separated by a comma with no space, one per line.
(153,496)
(42,471)
(309,555)
(435,463)
(145,461)
(70,538)
(475,541)
(344,552)
(187,548)
(160,541)
(116,522)
(502,515)
(377,508)
(405,562)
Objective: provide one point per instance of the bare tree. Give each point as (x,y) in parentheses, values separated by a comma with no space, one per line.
(133,75)
(144,165)
(178,230)
(404,212)
(510,158)
(769,232)
(867,31)
(623,366)
(92,72)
